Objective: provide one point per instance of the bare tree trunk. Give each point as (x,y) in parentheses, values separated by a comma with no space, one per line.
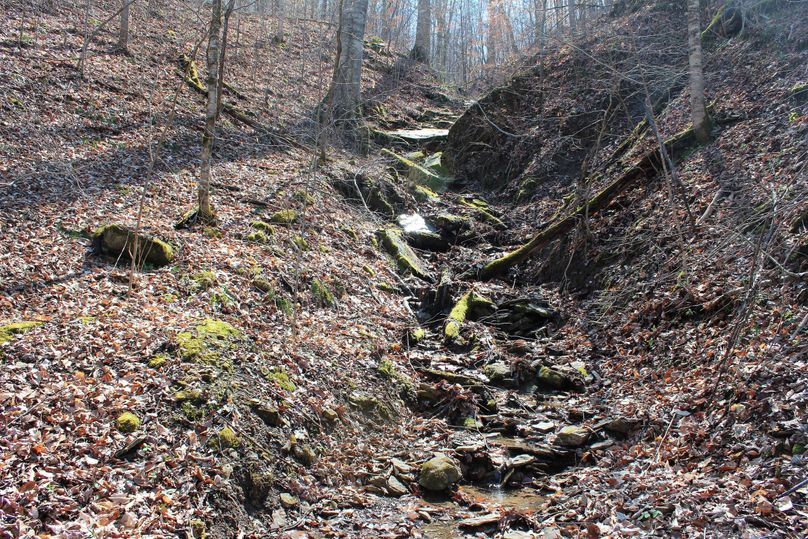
(701,122)
(204,209)
(420,52)
(344,94)
(280,13)
(123,32)
(573,15)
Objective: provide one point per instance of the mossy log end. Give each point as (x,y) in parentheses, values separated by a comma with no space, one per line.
(648,165)
(471,305)
(405,258)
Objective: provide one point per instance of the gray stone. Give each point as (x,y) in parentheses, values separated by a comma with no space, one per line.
(572,436)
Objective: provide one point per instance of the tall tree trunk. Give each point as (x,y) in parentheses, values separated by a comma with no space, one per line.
(540,8)
(205,211)
(420,51)
(345,92)
(280,13)
(573,15)
(123,31)
(493,34)
(701,122)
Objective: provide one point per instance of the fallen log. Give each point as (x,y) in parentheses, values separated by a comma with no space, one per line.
(648,165)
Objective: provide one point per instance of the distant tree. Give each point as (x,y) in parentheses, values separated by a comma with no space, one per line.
(572,11)
(344,93)
(701,121)
(123,31)
(420,51)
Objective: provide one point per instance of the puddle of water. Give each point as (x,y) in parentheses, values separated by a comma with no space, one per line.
(413,223)
(492,498)
(518,499)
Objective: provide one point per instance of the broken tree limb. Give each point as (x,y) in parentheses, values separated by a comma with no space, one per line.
(648,165)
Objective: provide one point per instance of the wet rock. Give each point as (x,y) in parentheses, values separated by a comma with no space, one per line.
(439,473)
(426,240)
(395,487)
(520,461)
(288,501)
(572,436)
(482,520)
(497,372)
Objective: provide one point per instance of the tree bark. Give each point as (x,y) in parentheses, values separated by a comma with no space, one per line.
(420,52)
(345,92)
(123,32)
(701,121)
(573,15)
(204,209)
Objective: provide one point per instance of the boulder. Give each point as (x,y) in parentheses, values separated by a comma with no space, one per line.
(405,257)
(497,372)
(572,436)
(439,473)
(119,242)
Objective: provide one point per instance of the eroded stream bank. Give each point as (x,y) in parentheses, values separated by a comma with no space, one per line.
(517,406)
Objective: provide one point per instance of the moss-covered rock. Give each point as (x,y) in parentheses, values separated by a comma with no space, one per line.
(258,236)
(205,342)
(470,306)
(423,193)
(264,227)
(226,438)
(406,259)
(127,422)
(284,217)
(371,407)
(203,280)
(322,294)
(303,197)
(420,175)
(117,241)
(439,474)
(301,243)
(9,331)
(483,211)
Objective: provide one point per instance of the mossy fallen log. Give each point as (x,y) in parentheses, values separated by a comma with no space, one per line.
(647,166)
(470,306)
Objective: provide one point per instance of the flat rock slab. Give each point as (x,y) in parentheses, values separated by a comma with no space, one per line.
(419,135)
(482,520)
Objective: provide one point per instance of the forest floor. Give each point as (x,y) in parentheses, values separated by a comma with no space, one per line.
(285,379)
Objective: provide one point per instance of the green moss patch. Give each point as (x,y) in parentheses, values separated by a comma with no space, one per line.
(203,280)
(206,341)
(323,296)
(226,438)
(420,175)
(284,217)
(127,422)
(301,243)
(9,331)
(280,377)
